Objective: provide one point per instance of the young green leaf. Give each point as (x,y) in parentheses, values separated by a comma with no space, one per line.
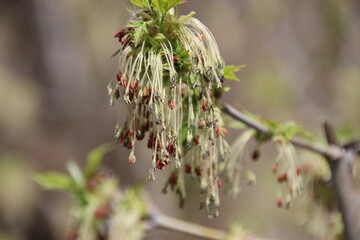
(76,174)
(236,125)
(135,24)
(140,3)
(140,30)
(159,37)
(95,157)
(54,181)
(186,17)
(229,72)
(164,6)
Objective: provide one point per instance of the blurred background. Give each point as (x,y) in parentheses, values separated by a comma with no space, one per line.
(303,64)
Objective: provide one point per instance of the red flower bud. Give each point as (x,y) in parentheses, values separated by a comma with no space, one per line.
(92,183)
(219,183)
(196,139)
(119,77)
(176,59)
(188,168)
(102,211)
(117,94)
(282,178)
(220,131)
(204,106)
(198,171)
(173,180)
(255,155)
(120,34)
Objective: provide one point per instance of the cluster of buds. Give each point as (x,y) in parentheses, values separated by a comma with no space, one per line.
(169,72)
(108,213)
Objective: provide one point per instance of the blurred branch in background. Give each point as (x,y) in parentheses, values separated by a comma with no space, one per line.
(104,211)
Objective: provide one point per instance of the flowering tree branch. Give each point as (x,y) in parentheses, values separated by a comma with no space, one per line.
(332,153)
(340,158)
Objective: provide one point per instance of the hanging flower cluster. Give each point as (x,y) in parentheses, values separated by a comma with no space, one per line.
(288,173)
(170,74)
(287,167)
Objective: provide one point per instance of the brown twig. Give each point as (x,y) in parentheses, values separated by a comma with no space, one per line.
(332,152)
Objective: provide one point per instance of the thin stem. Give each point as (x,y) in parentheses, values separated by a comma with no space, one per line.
(332,152)
(166,222)
(159,220)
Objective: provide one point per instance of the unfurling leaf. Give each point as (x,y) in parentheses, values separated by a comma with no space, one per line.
(76,174)
(54,181)
(186,17)
(229,72)
(165,5)
(95,157)
(140,3)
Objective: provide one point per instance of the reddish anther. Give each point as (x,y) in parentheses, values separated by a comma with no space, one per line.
(219,183)
(117,94)
(173,180)
(151,141)
(196,140)
(280,202)
(102,211)
(282,178)
(220,131)
(187,168)
(119,77)
(160,164)
(120,34)
(204,106)
(92,183)
(198,171)
(170,147)
(176,59)
(255,155)
(171,104)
